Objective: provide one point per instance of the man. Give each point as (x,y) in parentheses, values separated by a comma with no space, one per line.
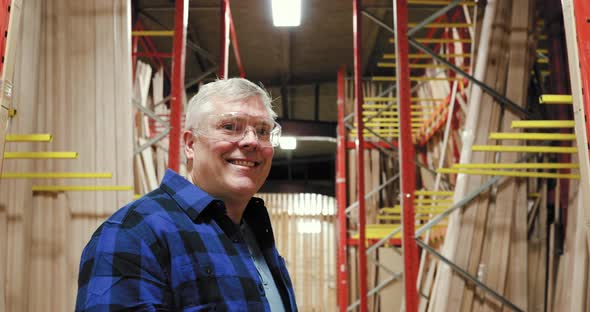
(201,246)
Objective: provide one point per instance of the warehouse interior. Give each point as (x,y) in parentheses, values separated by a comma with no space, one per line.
(441,158)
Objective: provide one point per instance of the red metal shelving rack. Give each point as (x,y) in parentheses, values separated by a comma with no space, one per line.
(406,155)
(178,56)
(407,164)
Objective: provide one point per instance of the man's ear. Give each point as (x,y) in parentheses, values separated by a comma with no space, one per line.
(189,144)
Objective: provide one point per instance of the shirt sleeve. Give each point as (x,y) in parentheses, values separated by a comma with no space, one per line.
(118,270)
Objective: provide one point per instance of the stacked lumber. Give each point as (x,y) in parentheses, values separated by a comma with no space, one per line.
(72,80)
(452,293)
(503,232)
(570,273)
(151,129)
(305,237)
(10,46)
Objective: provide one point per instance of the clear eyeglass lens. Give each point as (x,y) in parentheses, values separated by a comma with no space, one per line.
(233,127)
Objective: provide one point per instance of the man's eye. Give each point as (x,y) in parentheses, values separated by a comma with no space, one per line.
(228,126)
(263,131)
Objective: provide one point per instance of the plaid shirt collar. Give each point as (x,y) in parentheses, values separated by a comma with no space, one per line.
(199,204)
(189,197)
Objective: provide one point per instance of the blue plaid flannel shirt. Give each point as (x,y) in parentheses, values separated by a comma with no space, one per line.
(175,249)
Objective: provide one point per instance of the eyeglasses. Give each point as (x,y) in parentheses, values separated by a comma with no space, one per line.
(232,127)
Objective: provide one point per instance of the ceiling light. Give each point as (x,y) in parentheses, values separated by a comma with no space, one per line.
(288,143)
(286,13)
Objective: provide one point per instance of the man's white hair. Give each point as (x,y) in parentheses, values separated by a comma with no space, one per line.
(225,90)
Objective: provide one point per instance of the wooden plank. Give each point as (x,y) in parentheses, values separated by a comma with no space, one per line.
(9,60)
(553,260)
(578,106)
(391,297)
(511,196)
(579,253)
(473,223)
(14,193)
(537,255)
(57,66)
(444,275)
(6,105)
(158,95)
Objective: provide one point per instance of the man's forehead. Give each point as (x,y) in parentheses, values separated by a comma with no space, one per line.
(221,105)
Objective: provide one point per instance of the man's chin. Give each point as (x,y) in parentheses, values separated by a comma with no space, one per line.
(243,186)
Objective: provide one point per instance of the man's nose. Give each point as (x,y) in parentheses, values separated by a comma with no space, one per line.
(250,138)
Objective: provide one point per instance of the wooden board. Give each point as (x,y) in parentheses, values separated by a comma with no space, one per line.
(474,218)
(70,86)
(509,223)
(579,113)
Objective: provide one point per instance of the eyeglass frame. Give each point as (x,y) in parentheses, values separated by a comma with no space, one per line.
(276,129)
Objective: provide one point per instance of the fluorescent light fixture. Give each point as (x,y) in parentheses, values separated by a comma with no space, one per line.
(288,143)
(286,13)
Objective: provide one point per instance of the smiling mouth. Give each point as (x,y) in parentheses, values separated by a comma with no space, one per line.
(244,163)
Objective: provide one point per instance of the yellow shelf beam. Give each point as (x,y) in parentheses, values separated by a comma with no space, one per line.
(36,137)
(542,124)
(532,136)
(442,25)
(393,99)
(374,123)
(522,174)
(438,2)
(432,201)
(383,135)
(518,166)
(393,65)
(68,188)
(437,40)
(426,56)
(40,155)
(56,175)
(525,149)
(398,208)
(393,113)
(393,119)
(555,99)
(384,78)
(379,131)
(434,193)
(153,33)
(396,218)
(393,107)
